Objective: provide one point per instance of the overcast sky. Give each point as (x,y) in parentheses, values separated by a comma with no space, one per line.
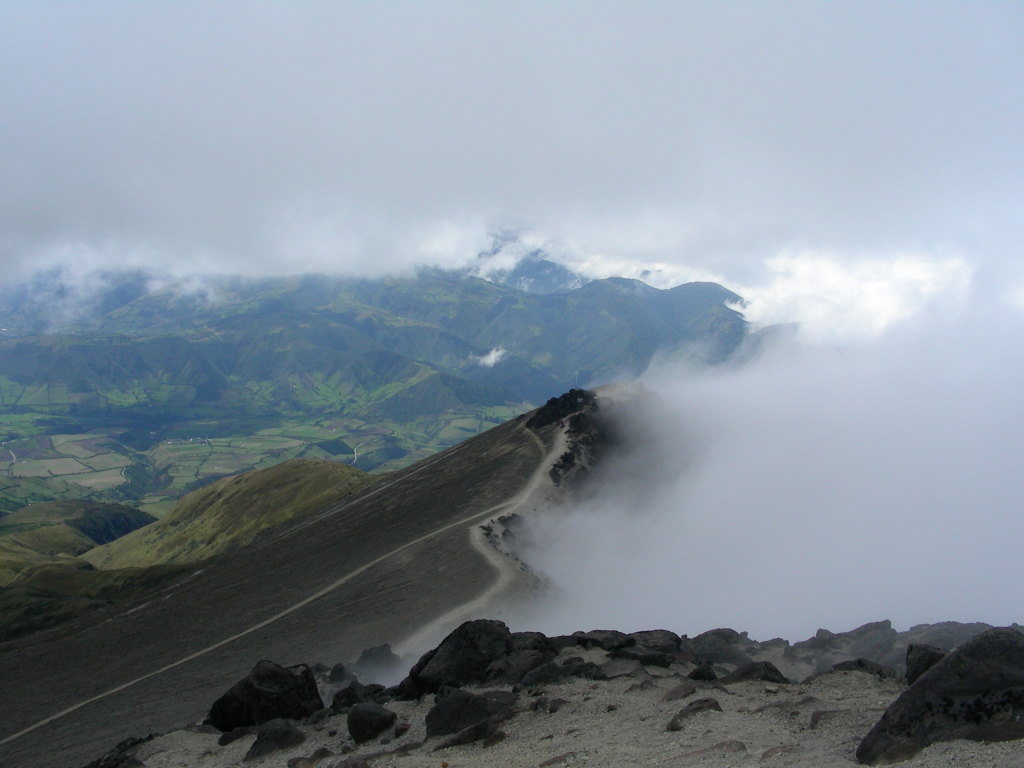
(856,166)
(764,145)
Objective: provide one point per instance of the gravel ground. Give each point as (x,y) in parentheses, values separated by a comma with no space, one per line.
(621,722)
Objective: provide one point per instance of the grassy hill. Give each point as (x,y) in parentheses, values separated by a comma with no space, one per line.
(231,513)
(64,558)
(55,532)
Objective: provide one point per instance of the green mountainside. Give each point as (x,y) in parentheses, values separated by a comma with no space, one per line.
(140,391)
(230,513)
(57,531)
(62,558)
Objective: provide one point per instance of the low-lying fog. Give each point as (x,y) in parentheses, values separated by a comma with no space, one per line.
(809,488)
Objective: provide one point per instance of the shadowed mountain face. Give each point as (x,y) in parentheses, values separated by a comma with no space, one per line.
(385,561)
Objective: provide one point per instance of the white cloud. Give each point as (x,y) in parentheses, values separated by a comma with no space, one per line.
(817,488)
(839,299)
(490,359)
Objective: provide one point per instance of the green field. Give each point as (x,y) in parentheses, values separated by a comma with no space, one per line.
(58,464)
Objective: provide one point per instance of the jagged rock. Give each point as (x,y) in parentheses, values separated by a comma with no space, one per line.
(559,407)
(121,756)
(623,668)
(680,691)
(377,662)
(368,720)
(511,668)
(268,692)
(357,693)
(605,639)
(462,657)
(868,666)
(921,658)
(560,642)
(533,641)
(704,671)
(646,656)
(339,674)
(660,640)
(976,692)
(691,709)
(756,670)
(460,709)
(274,735)
(720,646)
(553,672)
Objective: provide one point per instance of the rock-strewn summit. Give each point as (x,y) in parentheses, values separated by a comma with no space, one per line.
(489,696)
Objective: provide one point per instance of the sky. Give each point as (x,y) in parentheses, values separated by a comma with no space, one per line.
(857,167)
(800,153)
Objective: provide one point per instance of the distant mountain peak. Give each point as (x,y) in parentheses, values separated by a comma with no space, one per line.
(512,263)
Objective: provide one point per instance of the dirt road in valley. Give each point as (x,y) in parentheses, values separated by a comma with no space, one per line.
(386,561)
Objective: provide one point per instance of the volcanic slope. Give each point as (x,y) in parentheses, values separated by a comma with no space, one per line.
(384,562)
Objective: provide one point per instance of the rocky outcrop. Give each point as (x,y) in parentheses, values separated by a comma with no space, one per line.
(457,710)
(269,691)
(463,657)
(367,720)
(976,692)
(921,658)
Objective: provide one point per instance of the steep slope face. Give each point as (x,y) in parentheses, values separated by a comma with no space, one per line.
(383,562)
(231,512)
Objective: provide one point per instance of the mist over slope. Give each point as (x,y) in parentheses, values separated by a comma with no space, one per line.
(810,488)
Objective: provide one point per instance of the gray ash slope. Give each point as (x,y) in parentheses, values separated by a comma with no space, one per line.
(387,560)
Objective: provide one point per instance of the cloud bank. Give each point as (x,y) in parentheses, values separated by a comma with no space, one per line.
(812,488)
(681,139)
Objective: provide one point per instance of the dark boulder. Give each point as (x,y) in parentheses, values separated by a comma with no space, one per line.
(720,646)
(121,756)
(691,709)
(645,656)
(368,720)
(459,710)
(680,691)
(554,672)
(705,672)
(660,640)
(357,693)
(976,692)
(377,663)
(866,665)
(274,735)
(511,668)
(756,670)
(462,657)
(533,641)
(605,639)
(339,674)
(921,658)
(268,692)
(559,407)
